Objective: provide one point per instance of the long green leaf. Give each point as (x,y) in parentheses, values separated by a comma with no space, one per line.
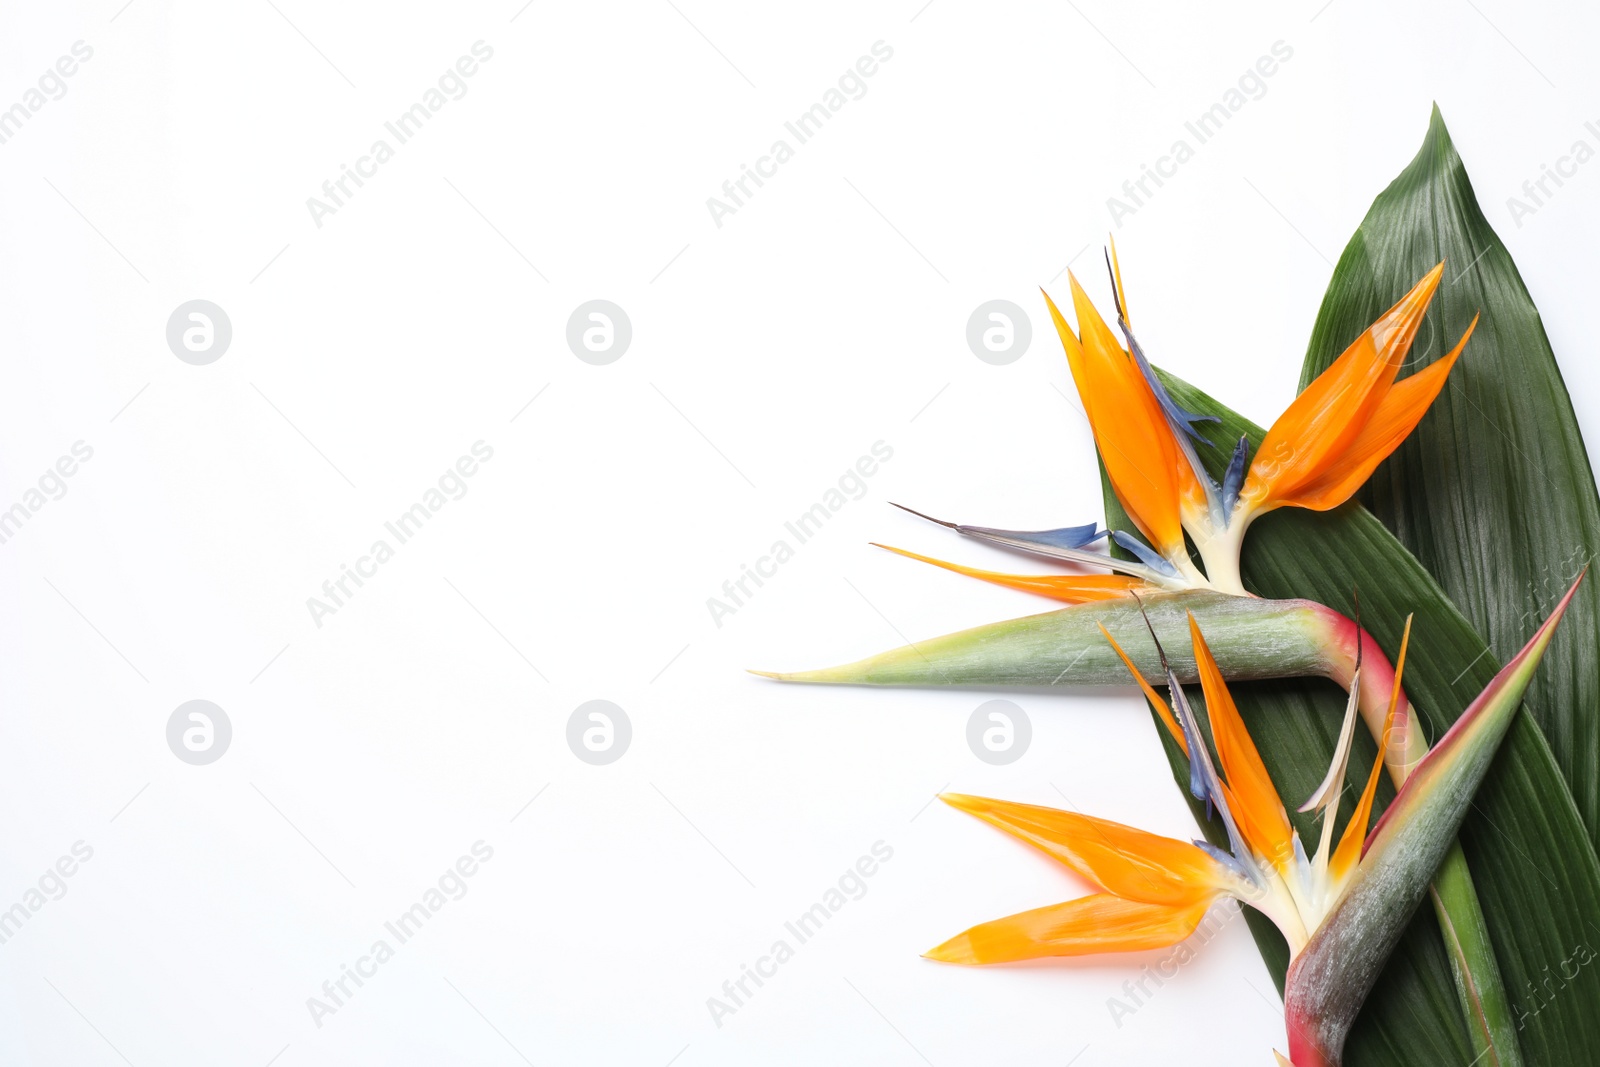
(1493,493)
(1535,870)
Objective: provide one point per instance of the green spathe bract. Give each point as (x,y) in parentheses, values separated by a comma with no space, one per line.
(1252,638)
(1330,979)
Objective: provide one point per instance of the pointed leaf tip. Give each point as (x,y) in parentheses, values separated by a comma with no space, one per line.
(1480,727)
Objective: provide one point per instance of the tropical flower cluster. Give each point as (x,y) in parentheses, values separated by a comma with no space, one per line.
(1340,911)
(1318,453)
(1158,889)
(1341,907)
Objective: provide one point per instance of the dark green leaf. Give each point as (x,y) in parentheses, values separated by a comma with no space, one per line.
(1493,492)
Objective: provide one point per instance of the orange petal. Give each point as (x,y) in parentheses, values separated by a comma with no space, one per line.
(1396,416)
(1319,422)
(1120,859)
(1150,694)
(1348,854)
(1143,461)
(1074,349)
(1397,328)
(1071,588)
(1251,796)
(1327,417)
(1099,923)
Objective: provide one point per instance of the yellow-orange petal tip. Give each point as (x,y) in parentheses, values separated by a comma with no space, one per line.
(979,807)
(956,950)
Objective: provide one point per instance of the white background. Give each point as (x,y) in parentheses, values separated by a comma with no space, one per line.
(768,354)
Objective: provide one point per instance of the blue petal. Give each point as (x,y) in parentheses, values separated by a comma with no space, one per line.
(1204,782)
(1063,543)
(1302,862)
(1224,857)
(1146,554)
(1181,418)
(1201,785)
(1065,537)
(1233,481)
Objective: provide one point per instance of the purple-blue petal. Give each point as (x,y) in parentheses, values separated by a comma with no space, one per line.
(1181,418)
(1222,856)
(1064,537)
(1147,555)
(1066,542)
(1233,481)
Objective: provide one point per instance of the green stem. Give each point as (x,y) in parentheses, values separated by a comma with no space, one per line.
(1466,939)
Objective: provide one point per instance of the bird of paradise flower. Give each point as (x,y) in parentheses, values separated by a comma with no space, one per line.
(1324,446)
(1341,910)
